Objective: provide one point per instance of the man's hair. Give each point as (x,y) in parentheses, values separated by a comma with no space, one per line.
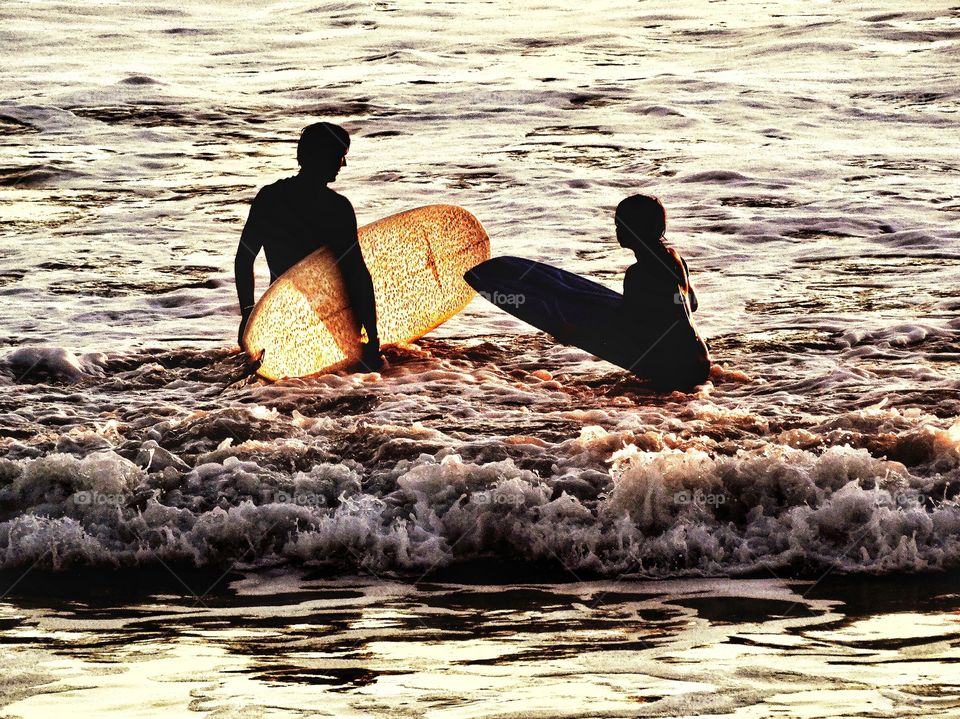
(641,218)
(322,145)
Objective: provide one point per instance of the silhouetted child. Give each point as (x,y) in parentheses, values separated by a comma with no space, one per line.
(658,299)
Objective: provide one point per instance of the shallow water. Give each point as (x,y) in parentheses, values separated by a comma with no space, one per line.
(804,152)
(279,645)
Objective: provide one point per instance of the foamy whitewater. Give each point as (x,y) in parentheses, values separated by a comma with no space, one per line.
(806,154)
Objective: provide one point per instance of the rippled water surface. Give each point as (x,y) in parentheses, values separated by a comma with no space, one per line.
(278,645)
(806,155)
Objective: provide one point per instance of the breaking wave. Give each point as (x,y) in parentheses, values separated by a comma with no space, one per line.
(325,473)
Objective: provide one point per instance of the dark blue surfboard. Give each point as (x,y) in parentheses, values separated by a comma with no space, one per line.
(585,314)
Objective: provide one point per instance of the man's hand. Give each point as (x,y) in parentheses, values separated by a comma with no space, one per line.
(371,360)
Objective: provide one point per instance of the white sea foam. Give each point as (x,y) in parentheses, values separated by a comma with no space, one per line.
(57,363)
(599,504)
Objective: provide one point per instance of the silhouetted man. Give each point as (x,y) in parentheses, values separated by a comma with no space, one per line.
(295,216)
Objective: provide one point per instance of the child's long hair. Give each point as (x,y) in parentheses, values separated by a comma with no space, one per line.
(641,221)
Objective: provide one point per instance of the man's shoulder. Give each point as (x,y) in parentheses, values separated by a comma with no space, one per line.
(283,185)
(274,190)
(339,200)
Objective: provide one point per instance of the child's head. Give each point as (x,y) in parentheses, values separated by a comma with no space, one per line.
(641,220)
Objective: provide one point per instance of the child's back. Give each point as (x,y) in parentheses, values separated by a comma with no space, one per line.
(658,299)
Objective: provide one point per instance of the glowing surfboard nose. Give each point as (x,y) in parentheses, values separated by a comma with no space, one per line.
(417,260)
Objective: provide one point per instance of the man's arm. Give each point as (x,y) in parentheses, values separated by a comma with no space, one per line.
(247,251)
(359,285)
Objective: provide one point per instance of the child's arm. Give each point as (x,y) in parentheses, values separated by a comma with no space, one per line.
(691,295)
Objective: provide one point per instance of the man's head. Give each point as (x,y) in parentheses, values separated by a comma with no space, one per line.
(641,220)
(322,149)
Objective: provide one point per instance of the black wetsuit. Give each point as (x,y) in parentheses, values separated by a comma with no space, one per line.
(294,217)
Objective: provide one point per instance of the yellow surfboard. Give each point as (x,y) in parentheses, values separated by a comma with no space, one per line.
(304,325)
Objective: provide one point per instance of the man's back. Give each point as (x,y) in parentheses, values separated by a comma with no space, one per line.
(292,218)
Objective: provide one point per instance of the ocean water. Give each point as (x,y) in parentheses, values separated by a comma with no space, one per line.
(806,154)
